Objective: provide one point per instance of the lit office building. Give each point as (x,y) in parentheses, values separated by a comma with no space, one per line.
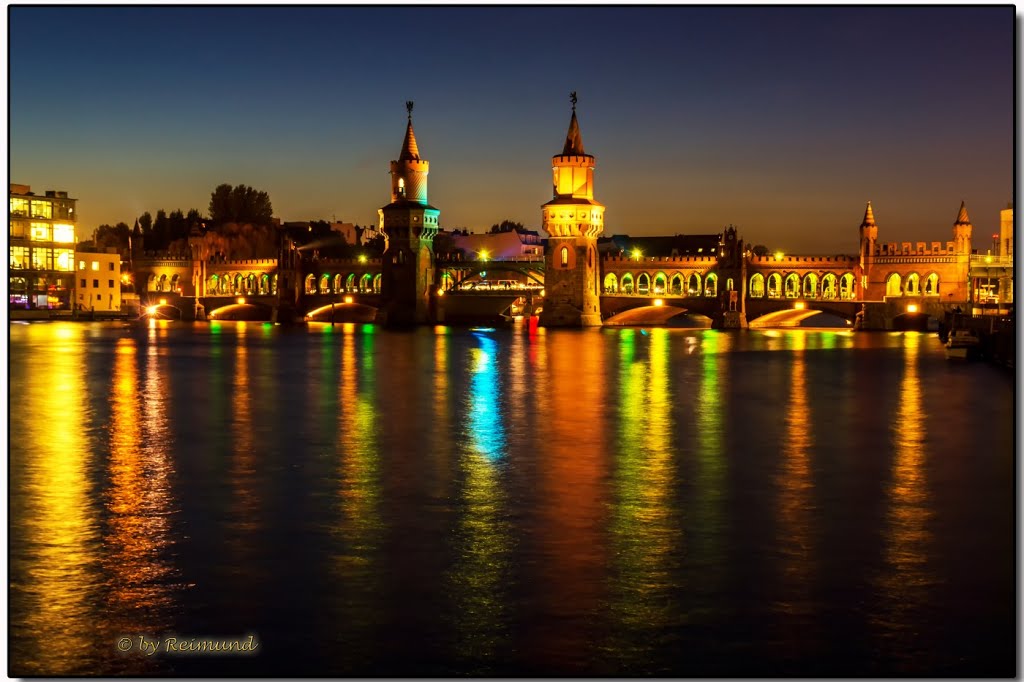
(42,250)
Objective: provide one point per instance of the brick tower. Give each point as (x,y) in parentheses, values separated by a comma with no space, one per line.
(574,221)
(409,224)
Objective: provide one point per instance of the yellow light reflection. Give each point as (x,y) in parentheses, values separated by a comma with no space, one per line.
(644,529)
(54,510)
(907,583)
(795,487)
(572,498)
(359,525)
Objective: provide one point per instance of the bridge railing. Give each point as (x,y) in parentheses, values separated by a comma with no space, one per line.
(992,261)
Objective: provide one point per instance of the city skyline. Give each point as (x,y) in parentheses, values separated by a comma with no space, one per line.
(781,121)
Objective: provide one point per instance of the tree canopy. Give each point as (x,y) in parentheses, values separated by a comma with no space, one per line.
(240,204)
(507,226)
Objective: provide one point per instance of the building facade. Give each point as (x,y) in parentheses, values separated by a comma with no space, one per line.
(98,285)
(42,249)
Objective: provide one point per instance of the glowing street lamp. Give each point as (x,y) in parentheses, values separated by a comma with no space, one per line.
(799,305)
(779,255)
(484,255)
(911,307)
(362,259)
(636,254)
(348,299)
(240,300)
(659,302)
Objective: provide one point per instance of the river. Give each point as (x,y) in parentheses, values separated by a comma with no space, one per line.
(507,502)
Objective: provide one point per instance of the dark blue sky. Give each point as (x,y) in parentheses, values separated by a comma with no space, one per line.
(782,121)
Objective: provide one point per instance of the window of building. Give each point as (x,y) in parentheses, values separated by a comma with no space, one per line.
(42,209)
(564,255)
(96,284)
(17,229)
(111,264)
(19,257)
(42,259)
(82,283)
(64,259)
(95,265)
(19,206)
(81,265)
(41,232)
(63,233)
(110,283)
(99,297)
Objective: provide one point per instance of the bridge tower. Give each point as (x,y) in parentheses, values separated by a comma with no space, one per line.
(962,231)
(574,221)
(868,238)
(409,224)
(732,268)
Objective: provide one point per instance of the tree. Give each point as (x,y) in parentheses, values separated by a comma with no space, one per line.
(115,236)
(760,250)
(507,226)
(240,204)
(146,224)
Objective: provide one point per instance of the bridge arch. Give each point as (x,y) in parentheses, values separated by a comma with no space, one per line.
(791,286)
(912,285)
(829,286)
(846,287)
(711,285)
(893,284)
(660,283)
(693,287)
(627,283)
(611,283)
(810,285)
(756,285)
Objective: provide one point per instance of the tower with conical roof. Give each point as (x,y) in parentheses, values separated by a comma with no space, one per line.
(868,239)
(409,224)
(574,221)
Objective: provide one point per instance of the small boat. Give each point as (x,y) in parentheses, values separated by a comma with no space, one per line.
(962,344)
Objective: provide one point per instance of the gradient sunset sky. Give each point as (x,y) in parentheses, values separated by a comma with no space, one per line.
(782,121)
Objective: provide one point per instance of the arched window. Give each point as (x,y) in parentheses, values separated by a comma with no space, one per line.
(810,285)
(161,284)
(730,285)
(893,285)
(337,283)
(401,187)
(676,287)
(564,256)
(325,284)
(376,283)
(250,284)
(350,282)
(627,283)
(913,285)
(211,284)
(310,284)
(792,286)
(757,286)
(693,285)
(265,284)
(643,284)
(774,285)
(931,285)
(711,285)
(365,283)
(828,286)
(238,285)
(660,281)
(273,284)
(846,286)
(611,283)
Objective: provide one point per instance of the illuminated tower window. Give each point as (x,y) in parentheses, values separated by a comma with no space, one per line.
(401,187)
(565,256)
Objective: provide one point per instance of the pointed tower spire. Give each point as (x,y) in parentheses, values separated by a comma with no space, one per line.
(962,218)
(869,217)
(410,152)
(573,140)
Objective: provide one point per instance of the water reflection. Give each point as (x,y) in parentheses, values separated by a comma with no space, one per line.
(359,527)
(54,574)
(644,528)
(907,583)
(795,487)
(482,542)
(572,503)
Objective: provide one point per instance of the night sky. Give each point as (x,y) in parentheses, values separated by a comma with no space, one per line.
(781,121)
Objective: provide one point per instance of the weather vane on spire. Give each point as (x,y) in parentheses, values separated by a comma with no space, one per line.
(572,98)
(408,107)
